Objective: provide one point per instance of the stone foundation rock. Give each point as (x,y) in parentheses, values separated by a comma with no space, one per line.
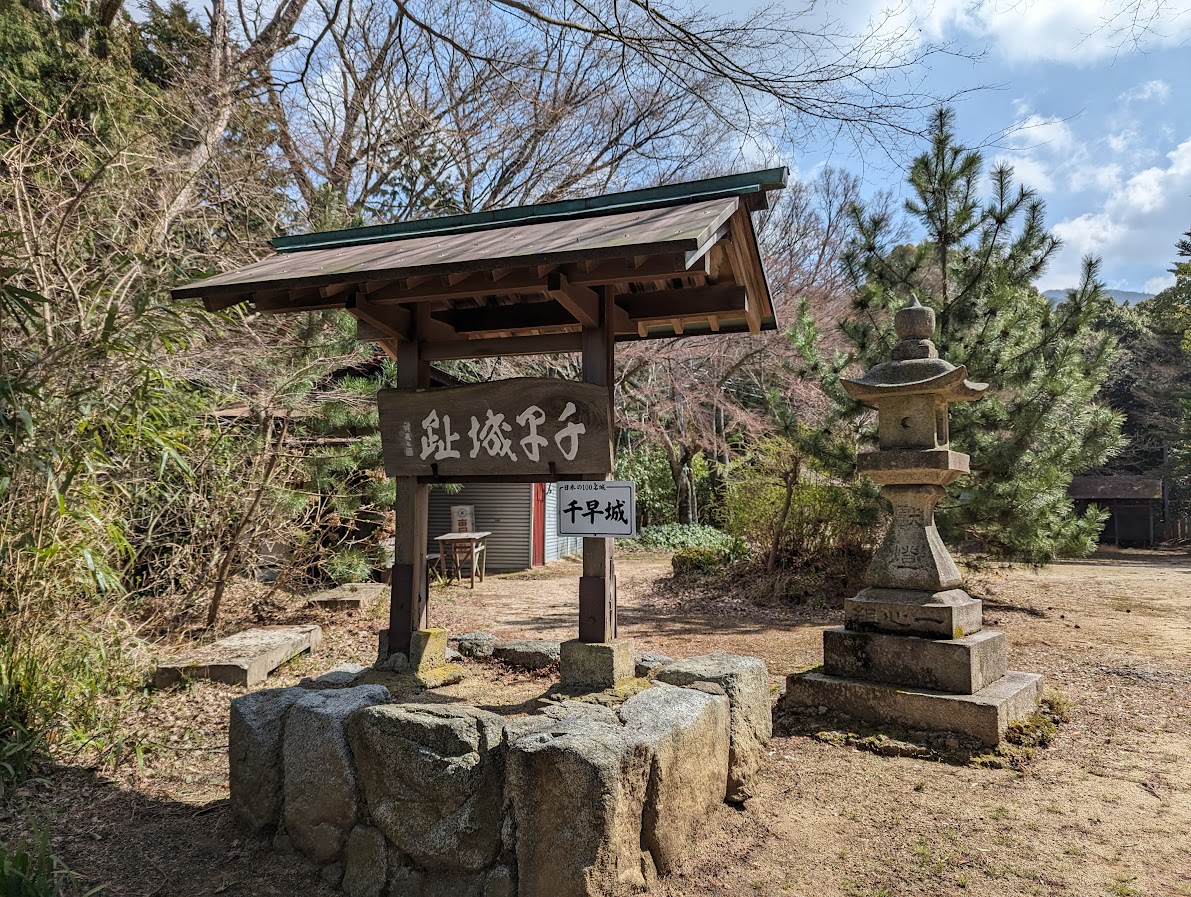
(426,799)
(687,732)
(576,797)
(475,644)
(432,778)
(254,755)
(961,666)
(367,866)
(647,663)
(745,680)
(321,800)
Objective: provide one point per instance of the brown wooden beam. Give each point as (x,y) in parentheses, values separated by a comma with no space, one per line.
(747,275)
(334,289)
(219,303)
(409,605)
(691,302)
(546,344)
(657,267)
(581,302)
(280,301)
(480,284)
(523,316)
(597,585)
(392,321)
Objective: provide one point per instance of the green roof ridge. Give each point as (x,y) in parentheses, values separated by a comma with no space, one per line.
(748,183)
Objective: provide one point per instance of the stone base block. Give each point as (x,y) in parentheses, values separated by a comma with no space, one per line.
(436,677)
(427,649)
(596,665)
(952,614)
(961,666)
(985,715)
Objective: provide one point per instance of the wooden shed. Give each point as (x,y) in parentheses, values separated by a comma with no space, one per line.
(1133,504)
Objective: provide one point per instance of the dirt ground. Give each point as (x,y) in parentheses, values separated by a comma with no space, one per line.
(1104,810)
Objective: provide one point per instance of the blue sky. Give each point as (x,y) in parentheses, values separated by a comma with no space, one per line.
(1097,123)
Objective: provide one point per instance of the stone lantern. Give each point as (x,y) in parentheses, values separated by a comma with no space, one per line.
(915,461)
(912,650)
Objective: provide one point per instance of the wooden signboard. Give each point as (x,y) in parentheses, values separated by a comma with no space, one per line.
(523,429)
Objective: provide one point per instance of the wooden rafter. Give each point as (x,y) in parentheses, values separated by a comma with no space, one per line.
(392,321)
(525,316)
(581,302)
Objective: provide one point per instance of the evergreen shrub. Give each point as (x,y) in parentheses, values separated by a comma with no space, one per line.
(677,536)
(696,559)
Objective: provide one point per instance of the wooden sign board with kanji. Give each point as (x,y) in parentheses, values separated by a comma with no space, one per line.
(598,508)
(520,429)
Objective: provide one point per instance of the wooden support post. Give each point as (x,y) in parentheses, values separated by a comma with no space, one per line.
(597,586)
(409,605)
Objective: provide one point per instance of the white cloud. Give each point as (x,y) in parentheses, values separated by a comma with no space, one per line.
(1036,130)
(1102,177)
(1148,90)
(1137,224)
(1159,283)
(1030,171)
(1072,31)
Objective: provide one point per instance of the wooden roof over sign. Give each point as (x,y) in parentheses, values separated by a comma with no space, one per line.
(679,260)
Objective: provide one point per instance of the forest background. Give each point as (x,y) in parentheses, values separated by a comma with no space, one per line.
(151,452)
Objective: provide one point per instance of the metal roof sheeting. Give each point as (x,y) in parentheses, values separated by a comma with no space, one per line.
(752,186)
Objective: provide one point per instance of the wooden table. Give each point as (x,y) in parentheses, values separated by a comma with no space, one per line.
(472,546)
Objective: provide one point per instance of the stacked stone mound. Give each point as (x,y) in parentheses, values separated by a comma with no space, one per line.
(424,799)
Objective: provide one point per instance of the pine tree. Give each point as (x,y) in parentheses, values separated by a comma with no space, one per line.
(1041,421)
(1155,383)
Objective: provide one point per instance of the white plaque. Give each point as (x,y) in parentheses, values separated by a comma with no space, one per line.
(597,509)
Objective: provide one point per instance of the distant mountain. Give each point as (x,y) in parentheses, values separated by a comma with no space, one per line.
(1129,297)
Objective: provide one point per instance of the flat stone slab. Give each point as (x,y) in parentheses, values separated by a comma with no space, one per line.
(962,666)
(474,644)
(985,715)
(949,614)
(354,596)
(245,658)
(649,662)
(530,654)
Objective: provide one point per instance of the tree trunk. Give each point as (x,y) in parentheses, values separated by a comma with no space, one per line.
(231,550)
(790,478)
(680,472)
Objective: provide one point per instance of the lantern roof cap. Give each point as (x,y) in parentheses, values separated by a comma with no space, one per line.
(918,376)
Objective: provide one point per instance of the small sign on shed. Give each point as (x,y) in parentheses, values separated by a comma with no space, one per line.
(597,509)
(463,518)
